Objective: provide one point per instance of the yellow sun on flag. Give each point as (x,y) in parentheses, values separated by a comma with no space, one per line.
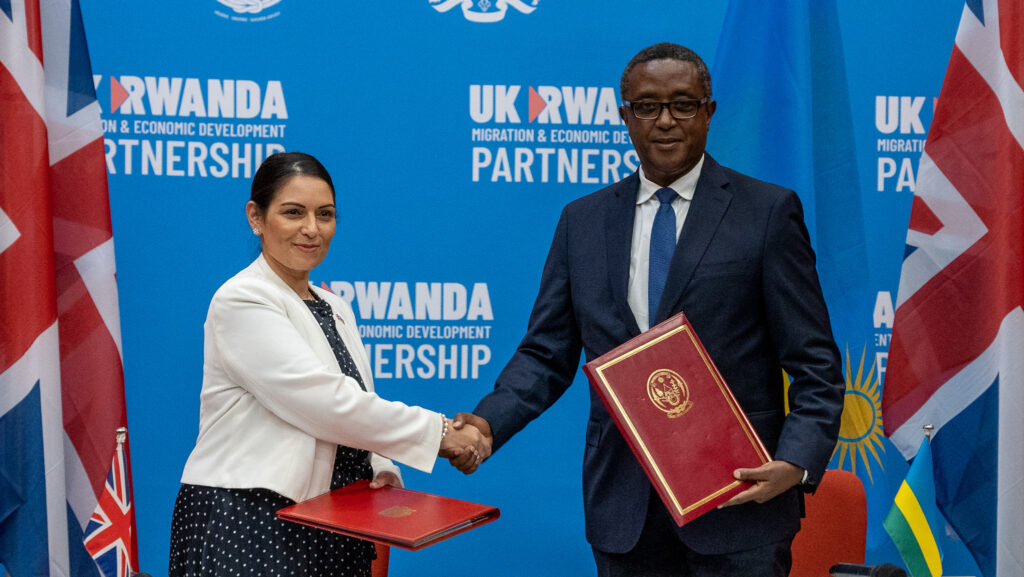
(861,434)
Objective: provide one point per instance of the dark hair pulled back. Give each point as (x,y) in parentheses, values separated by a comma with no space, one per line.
(277,169)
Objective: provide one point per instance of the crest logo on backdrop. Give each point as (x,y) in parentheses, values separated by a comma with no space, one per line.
(248,10)
(210,127)
(573,134)
(483,10)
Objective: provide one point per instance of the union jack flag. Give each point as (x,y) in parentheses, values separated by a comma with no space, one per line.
(61,380)
(957,356)
(109,534)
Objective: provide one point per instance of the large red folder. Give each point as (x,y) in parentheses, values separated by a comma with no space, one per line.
(679,417)
(390,515)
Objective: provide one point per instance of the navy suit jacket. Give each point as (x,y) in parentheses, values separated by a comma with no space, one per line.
(744,273)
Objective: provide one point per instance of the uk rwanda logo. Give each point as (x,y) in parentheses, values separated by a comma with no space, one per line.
(485,10)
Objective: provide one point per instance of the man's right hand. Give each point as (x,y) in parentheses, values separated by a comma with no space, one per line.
(466,440)
(467,462)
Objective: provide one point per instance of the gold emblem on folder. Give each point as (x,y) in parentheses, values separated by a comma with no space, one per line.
(397,511)
(668,391)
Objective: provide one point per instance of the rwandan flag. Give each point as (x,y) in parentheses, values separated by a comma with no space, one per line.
(915,520)
(784,115)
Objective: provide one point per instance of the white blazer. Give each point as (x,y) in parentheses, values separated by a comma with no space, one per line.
(275,404)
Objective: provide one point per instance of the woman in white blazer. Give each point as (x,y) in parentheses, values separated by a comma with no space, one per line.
(287,409)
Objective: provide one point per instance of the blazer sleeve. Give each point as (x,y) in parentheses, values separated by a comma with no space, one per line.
(800,328)
(263,352)
(378,463)
(545,363)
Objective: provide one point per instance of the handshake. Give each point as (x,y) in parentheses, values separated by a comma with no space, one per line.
(467,442)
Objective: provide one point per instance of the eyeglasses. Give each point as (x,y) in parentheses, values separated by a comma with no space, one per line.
(679,109)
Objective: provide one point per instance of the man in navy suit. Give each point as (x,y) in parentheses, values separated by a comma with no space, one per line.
(742,268)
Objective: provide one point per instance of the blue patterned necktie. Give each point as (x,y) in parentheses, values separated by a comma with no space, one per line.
(663,244)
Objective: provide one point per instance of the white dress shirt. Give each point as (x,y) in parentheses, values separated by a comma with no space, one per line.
(639,251)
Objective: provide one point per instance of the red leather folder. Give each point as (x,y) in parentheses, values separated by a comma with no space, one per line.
(679,417)
(390,515)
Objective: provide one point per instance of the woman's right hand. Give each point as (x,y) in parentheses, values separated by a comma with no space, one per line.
(467,439)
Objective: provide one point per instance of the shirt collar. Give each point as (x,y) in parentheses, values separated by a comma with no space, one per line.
(684,186)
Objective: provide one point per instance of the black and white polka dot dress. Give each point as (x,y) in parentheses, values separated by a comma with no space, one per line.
(219,532)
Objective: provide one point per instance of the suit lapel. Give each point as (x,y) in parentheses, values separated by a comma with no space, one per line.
(619,230)
(710,201)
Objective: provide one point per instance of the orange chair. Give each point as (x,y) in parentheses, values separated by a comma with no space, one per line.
(835,527)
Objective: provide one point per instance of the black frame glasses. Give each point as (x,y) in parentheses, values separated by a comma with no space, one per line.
(682,109)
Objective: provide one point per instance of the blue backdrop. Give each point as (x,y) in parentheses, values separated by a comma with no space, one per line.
(454,142)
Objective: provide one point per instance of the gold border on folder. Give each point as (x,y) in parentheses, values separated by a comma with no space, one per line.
(736,411)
